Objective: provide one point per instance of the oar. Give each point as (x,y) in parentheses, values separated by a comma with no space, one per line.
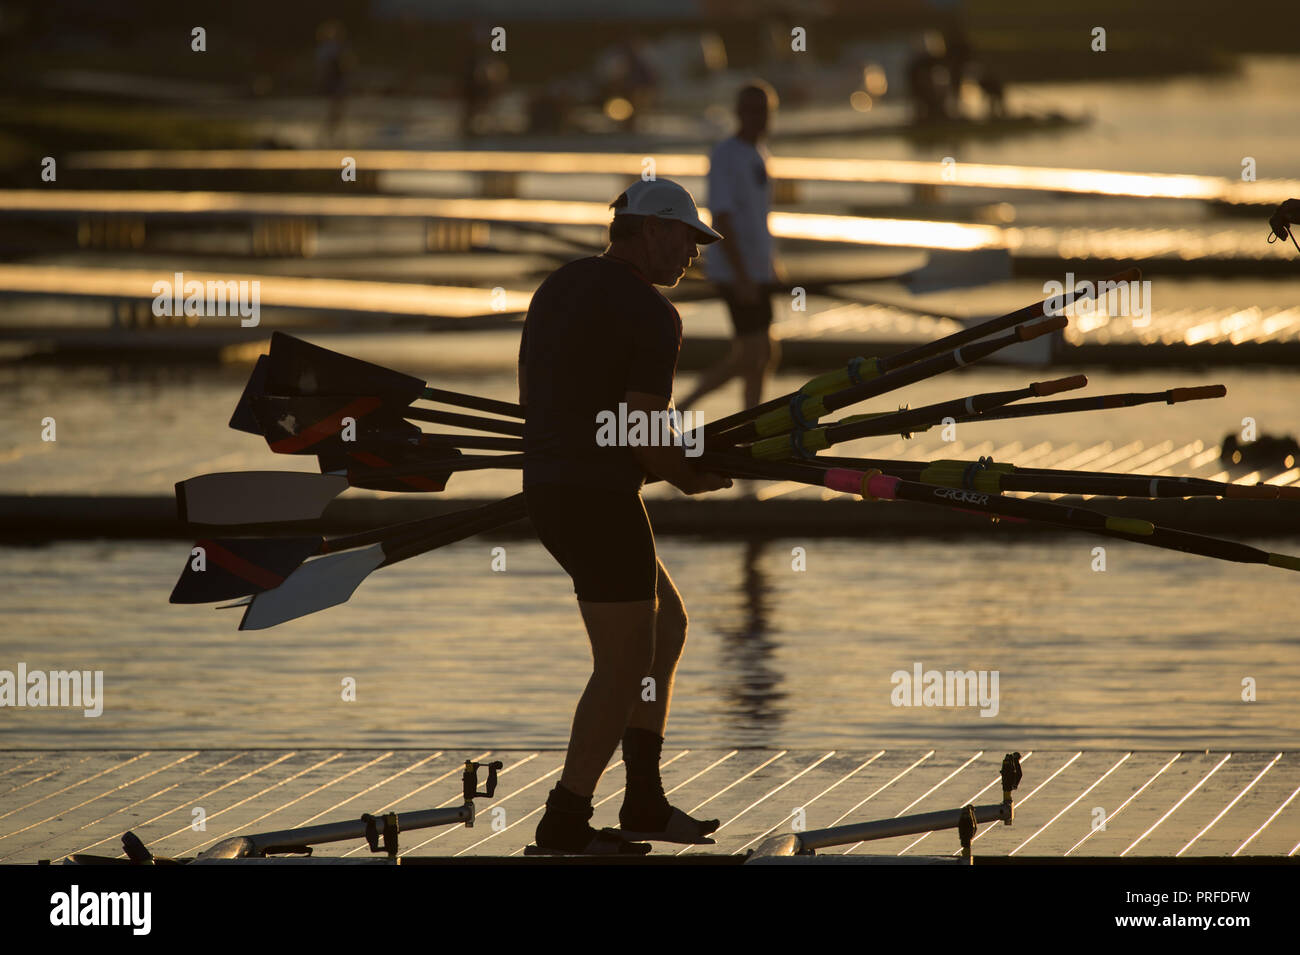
(860,369)
(873,485)
(1102,402)
(262,497)
(805,410)
(332,579)
(320,424)
(238,567)
(802,443)
(996,477)
(1066,406)
(296,367)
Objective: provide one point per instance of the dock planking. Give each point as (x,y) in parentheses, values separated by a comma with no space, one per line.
(1155,804)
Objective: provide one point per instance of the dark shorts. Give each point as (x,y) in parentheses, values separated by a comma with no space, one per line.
(601,538)
(754,317)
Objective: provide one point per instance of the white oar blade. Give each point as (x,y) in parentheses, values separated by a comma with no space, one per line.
(324,582)
(257,497)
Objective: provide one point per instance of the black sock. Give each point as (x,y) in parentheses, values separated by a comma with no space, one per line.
(567,801)
(565,824)
(645,807)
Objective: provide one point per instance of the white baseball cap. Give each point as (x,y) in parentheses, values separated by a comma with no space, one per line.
(663,199)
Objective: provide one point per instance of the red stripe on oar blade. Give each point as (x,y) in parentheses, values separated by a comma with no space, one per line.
(416,481)
(244,569)
(326,427)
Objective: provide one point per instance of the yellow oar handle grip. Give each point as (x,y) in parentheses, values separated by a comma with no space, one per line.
(780,447)
(780,420)
(841,378)
(1130,525)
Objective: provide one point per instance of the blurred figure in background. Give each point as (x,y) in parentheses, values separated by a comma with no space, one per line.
(927,80)
(334,61)
(628,82)
(483,74)
(741,265)
(957,61)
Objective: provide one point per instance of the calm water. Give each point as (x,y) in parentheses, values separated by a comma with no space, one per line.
(1151,653)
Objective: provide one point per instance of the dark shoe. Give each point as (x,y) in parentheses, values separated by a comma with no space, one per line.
(679,827)
(567,832)
(605,842)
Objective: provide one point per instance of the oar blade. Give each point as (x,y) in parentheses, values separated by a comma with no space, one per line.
(318,584)
(223,569)
(243,419)
(363,459)
(310,425)
(297,367)
(256,497)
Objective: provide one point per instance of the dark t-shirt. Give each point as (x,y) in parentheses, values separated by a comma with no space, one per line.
(596,329)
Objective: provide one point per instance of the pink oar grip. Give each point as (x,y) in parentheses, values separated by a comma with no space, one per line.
(850,481)
(883,486)
(844,479)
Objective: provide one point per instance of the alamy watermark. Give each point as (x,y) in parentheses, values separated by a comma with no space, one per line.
(922,687)
(1125,299)
(639,429)
(73,688)
(210,299)
(132,910)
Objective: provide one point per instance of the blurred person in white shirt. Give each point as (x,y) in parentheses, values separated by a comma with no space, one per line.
(742,265)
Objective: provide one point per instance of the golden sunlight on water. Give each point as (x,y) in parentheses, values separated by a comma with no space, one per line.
(1151,653)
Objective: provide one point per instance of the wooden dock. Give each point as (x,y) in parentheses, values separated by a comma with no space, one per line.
(1184,806)
(1226,247)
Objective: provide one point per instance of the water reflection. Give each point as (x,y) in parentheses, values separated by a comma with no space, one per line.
(752,700)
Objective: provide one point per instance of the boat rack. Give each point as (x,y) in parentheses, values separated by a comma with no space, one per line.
(381,833)
(965,820)
(300,841)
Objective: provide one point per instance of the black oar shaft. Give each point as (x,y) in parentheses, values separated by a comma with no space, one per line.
(1009,477)
(474,521)
(490,405)
(473,441)
(396,536)
(909,374)
(888,487)
(799,443)
(480,462)
(976,332)
(1100,402)
(916,418)
(947,343)
(464,421)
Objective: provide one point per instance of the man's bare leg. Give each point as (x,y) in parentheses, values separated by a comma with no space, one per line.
(622,638)
(670,640)
(645,808)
